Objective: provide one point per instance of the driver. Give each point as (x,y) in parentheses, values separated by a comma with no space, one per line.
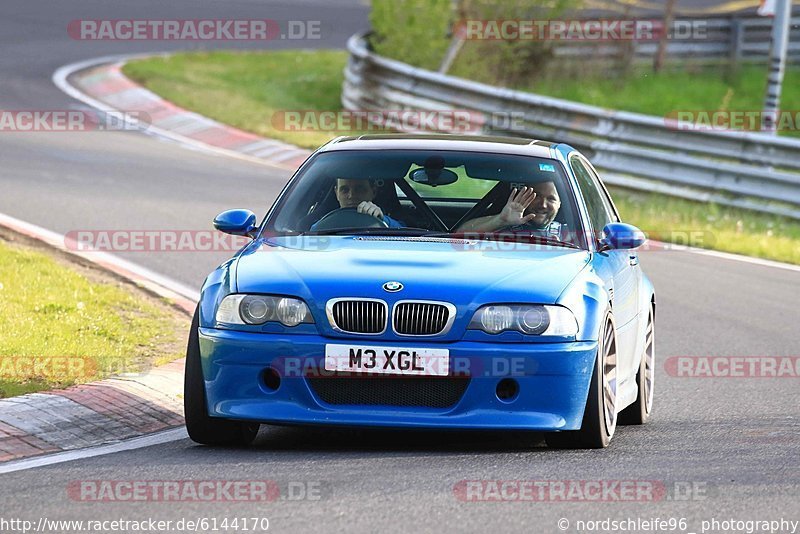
(359,194)
(531,208)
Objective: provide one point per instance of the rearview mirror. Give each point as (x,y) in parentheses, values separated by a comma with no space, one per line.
(433,177)
(236,222)
(621,236)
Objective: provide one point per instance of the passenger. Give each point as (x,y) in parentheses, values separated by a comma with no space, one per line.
(359,194)
(531,208)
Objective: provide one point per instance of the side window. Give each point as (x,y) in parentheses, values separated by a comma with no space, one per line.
(603,193)
(600,213)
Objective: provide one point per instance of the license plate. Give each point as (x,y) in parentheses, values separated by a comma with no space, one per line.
(387,360)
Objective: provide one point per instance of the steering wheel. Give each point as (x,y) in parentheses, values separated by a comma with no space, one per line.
(349,218)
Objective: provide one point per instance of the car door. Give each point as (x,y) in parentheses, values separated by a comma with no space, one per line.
(619,269)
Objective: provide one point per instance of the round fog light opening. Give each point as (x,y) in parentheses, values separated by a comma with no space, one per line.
(507,389)
(271,379)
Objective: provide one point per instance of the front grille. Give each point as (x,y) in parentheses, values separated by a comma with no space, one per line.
(359,316)
(425,391)
(420,318)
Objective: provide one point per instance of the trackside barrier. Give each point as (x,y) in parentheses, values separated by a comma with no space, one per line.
(743,169)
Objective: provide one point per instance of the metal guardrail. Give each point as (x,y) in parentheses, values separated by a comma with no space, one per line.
(731,39)
(748,170)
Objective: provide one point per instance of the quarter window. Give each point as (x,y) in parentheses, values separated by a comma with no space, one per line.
(600,214)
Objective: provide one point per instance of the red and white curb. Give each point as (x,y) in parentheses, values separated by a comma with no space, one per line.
(104,411)
(101,84)
(107,416)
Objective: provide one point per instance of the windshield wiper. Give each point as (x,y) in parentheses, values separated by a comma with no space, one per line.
(529,237)
(371,231)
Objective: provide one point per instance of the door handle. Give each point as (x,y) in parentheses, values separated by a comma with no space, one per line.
(633,260)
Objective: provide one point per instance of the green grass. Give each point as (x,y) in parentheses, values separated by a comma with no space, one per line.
(246,89)
(58,327)
(690,89)
(250,90)
(710,226)
(665,93)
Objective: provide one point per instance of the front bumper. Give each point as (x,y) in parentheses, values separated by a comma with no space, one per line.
(553,383)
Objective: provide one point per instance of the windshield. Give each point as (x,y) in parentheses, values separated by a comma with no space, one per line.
(427,192)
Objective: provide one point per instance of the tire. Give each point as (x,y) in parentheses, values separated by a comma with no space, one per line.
(599,416)
(639,412)
(202,428)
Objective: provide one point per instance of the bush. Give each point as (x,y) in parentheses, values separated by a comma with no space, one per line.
(412,31)
(419,32)
(507,63)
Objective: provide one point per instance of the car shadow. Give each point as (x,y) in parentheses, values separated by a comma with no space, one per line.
(349,439)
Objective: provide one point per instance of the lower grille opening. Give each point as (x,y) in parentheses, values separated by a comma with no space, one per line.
(424,391)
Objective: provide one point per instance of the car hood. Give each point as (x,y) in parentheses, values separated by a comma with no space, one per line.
(463,272)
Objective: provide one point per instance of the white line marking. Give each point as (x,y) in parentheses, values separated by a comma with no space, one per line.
(293,153)
(256,146)
(58,241)
(61,75)
(167,436)
(730,256)
(264,152)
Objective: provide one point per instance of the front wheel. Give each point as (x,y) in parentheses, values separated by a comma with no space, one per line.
(600,414)
(202,428)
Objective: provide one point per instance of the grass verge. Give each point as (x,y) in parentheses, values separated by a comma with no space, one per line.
(696,89)
(710,226)
(246,89)
(63,323)
(249,90)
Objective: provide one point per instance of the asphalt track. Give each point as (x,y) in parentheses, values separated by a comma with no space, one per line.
(737,441)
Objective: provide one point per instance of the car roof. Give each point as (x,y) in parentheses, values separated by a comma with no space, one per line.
(471,143)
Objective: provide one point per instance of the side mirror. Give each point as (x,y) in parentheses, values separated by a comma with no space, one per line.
(236,222)
(621,236)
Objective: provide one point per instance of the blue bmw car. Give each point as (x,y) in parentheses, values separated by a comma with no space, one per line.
(419,281)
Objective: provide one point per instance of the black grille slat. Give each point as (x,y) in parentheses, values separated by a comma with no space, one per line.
(420,318)
(430,392)
(360,316)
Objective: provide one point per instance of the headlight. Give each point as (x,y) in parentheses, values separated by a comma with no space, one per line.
(291,312)
(535,320)
(256,309)
(259,309)
(495,319)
